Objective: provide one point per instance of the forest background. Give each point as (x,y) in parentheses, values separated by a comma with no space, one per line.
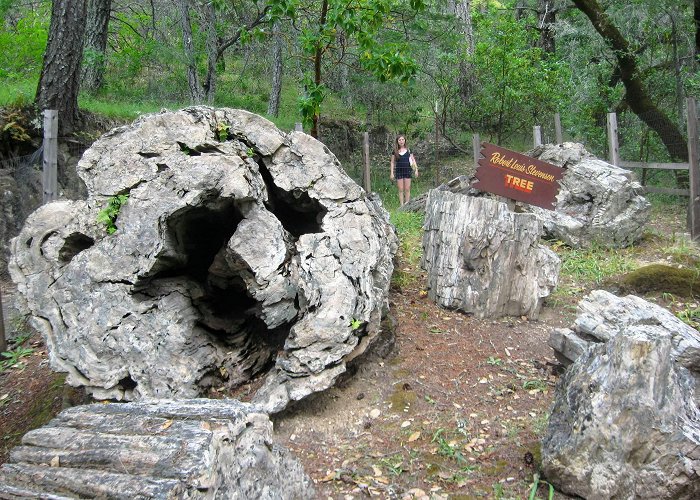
(435,70)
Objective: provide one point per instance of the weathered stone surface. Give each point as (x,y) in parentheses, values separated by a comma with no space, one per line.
(625,421)
(484,259)
(198,448)
(230,255)
(603,315)
(598,203)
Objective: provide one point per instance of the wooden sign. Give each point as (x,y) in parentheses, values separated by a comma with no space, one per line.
(517,176)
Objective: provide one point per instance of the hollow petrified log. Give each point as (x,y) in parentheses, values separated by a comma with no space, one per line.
(198,448)
(484,259)
(239,249)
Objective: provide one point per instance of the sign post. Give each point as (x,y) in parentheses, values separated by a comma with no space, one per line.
(517,176)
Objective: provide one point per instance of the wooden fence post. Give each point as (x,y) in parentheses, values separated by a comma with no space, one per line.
(693,164)
(614,154)
(557,128)
(537,135)
(50,162)
(3,342)
(476,148)
(365,150)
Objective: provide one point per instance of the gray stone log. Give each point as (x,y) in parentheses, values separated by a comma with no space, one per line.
(598,203)
(625,422)
(483,259)
(241,252)
(602,315)
(158,449)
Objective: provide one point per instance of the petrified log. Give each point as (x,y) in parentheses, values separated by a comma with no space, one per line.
(198,448)
(603,315)
(598,203)
(625,421)
(240,251)
(484,259)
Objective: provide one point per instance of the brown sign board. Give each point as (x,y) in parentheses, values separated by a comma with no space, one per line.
(517,176)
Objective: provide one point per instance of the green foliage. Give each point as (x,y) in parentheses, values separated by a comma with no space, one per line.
(22,42)
(592,265)
(13,357)
(109,214)
(536,481)
(355,324)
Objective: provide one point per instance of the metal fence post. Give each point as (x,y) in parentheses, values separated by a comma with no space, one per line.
(614,154)
(537,135)
(693,161)
(365,150)
(476,148)
(50,163)
(3,342)
(557,128)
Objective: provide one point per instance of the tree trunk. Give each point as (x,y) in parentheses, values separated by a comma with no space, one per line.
(95,43)
(59,82)
(547,15)
(196,91)
(209,22)
(273,105)
(462,10)
(696,16)
(317,67)
(636,95)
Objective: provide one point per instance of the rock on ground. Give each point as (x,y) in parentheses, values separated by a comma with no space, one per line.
(199,448)
(239,251)
(625,421)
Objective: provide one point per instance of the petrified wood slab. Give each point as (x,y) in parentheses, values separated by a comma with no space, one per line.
(196,448)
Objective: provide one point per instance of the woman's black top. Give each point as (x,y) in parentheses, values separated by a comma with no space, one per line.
(402,165)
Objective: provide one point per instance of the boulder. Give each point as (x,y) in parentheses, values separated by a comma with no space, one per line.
(237,251)
(598,203)
(483,259)
(625,421)
(198,448)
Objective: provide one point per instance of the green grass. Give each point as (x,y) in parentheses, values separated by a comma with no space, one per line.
(591,266)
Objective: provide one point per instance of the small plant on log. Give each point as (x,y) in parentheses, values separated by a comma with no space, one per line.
(109,214)
(222,130)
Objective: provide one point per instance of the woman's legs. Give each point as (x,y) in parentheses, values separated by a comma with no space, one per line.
(407,190)
(399,186)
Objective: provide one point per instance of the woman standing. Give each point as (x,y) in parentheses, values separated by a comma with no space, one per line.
(403,164)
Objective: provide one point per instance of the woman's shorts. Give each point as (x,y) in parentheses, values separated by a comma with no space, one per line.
(402,173)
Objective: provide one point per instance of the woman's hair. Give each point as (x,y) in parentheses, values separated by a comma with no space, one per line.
(396,144)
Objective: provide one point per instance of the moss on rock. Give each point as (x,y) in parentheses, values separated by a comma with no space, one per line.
(682,282)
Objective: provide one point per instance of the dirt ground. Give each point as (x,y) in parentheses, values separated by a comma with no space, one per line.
(455,410)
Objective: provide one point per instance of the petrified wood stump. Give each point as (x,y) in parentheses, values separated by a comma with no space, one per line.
(483,259)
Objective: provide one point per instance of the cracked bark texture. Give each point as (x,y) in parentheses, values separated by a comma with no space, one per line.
(241,251)
(483,259)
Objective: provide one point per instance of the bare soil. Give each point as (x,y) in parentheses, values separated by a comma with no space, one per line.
(456,409)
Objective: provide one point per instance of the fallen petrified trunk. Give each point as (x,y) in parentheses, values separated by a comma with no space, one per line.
(239,247)
(161,449)
(484,259)
(598,203)
(625,421)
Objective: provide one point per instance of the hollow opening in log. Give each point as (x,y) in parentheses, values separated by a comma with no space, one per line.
(73,245)
(296,210)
